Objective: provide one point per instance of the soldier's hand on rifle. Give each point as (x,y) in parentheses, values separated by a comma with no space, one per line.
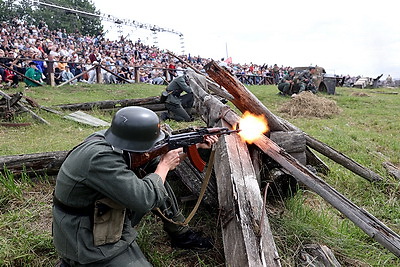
(168,162)
(209,140)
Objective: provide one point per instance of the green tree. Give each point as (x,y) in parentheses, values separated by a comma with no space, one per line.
(57,14)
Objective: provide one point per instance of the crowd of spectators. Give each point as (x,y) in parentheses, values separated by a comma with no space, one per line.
(73,53)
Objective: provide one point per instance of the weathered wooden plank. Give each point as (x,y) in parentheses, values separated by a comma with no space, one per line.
(85,118)
(246,233)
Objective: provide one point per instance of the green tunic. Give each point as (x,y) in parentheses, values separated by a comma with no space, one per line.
(34,75)
(177,87)
(92,171)
(179,107)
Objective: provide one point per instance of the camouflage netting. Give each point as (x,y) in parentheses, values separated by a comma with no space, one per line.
(307,104)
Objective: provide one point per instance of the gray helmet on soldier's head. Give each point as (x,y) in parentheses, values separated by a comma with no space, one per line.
(134,129)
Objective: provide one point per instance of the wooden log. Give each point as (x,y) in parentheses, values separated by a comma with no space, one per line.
(246,232)
(193,180)
(23,108)
(33,164)
(343,160)
(294,143)
(392,169)
(314,255)
(109,104)
(246,101)
(360,217)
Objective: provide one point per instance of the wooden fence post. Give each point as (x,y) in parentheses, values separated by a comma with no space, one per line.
(50,73)
(99,76)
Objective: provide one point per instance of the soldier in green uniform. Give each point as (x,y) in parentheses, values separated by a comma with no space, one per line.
(306,82)
(179,106)
(285,85)
(98,199)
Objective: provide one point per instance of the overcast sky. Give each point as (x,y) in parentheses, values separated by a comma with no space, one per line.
(343,36)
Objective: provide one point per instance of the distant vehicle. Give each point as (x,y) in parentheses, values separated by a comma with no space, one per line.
(363,82)
(366,82)
(323,82)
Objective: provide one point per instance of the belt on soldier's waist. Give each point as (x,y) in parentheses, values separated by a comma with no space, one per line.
(77,211)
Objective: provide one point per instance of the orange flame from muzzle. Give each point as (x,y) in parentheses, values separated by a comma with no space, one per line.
(252,127)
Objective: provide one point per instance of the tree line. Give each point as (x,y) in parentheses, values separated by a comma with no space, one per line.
(54,18)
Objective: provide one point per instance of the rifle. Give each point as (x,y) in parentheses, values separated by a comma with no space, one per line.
(187,139)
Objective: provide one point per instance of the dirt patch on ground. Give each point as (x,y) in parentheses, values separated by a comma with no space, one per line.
(359,94)
(306,104)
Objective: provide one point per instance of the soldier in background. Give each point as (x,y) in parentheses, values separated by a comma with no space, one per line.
(306,82)
(389,80)
(179,106)
(286,84)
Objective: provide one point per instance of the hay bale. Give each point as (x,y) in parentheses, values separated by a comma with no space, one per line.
(306,104)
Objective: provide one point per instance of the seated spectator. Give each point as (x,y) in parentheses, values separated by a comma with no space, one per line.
(62,64)
(57,76)
(11,78)
(67,75)
(34,74)
(157,75)
(2,61)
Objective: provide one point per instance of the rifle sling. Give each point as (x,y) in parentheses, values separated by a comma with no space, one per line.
(202,191)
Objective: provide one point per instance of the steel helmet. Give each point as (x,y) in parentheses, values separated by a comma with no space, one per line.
(135,129)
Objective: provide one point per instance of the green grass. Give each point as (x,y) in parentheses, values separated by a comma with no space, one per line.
(367,130)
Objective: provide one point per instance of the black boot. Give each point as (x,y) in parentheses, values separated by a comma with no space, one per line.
(164,116)
(191,240)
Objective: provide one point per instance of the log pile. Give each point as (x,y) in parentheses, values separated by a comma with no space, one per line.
(283,156)
(246,101)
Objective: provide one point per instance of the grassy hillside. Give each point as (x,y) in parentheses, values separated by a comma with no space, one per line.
(367,130)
